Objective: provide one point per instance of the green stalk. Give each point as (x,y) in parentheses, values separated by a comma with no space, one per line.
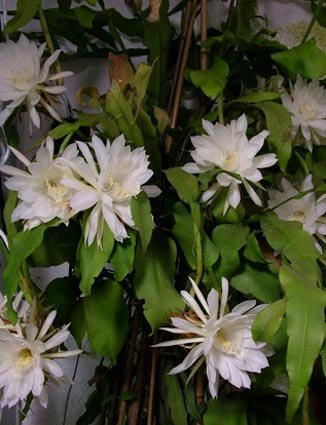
(313,20)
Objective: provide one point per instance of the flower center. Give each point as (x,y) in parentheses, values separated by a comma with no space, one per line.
(114,189)
(25,359)
(224,344)
(55,191)
(299,215)
(306,111)
(231,162)
(21,78)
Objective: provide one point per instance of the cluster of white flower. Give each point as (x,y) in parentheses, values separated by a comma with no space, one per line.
(27,350)
(61,187)
(24,81)
(222,341)
(228,149)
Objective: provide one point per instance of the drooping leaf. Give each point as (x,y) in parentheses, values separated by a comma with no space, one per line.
(224,411)
(25,12)
(154,279)
(106,316)
(279,125)
(261,96)
(8,209)
(120,70)
(141,80)
(288,238)
(122,257)
(306,59)
(229,239)
(91,259)
(141,213)
(183,230)
(162,118)
(262,285)
(306,330)
(175,398)
(85,16)
(60,295)
(184,183)
(211,81)
(268,321)
(22,245)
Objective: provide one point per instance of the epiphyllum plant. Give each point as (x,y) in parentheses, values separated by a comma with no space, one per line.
(223,142)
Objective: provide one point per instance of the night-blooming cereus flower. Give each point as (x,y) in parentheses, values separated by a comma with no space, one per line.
(307,106)
(228,149)
(41,193)
(307,210)
(222,341)
(24,80)
(27,359)
(108,187)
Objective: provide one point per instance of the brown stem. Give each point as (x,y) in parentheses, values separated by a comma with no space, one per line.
(203,35)
(200,391)
(180,72)
(135,407)
(128,368)
(150,415)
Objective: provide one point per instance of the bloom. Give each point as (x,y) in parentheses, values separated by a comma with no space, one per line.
(307,210)
(41,193)
(228,148)
(108,187)
(223,341)
(23,80)
(307,106)
(26,357)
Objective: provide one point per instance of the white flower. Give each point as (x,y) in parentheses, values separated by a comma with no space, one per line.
(26,358)
(109,186)
(42,196)
(223,341)
(23,80)
(307,106)
(228,148)
(307,210)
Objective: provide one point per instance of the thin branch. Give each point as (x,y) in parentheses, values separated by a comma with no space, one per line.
(150,414)
(179,84)
(203,35)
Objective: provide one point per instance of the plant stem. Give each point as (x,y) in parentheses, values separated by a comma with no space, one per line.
(150,415)
(220,109)
(313,20)
(180,72)
(203,35)
(69,392)
(305,408)
(48,40)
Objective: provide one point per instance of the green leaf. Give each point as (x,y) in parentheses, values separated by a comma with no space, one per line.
(141,80)
(22,245)
(268,321)
(93,408)
(232,215)
(91,259)
(7,212)
(252,250)
(78,322)
(279,125)
(229,239)
(61,295)
(306,330)
(306,59)
(211,81)
(58,246)
(262,285)
(293,242)
(141,213)
(85,120)
(25,12)
(262,96)
(154,279)
(106,317)
(175,398)
(183,230)
(210,251)
(226,412)
(85,16)
(122,257)
(184,183)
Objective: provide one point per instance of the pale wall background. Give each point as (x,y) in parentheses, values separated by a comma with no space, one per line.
(95,73)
